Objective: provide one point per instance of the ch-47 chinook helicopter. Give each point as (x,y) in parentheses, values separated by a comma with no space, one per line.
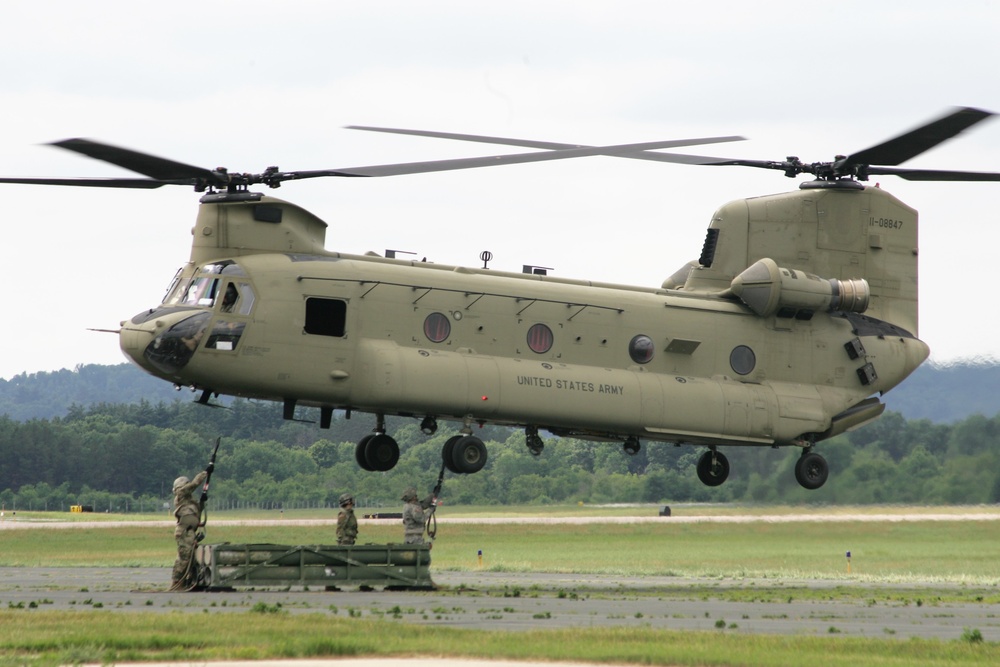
(801,309)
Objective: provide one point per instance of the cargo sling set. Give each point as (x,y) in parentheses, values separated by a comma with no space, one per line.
(392,566)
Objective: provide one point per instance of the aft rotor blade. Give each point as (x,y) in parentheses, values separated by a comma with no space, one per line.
(142,163)
(494,160)
(934,174)
(529,143)
(910,144)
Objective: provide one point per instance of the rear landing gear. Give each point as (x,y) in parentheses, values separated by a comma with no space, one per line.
(811,470)
(631,445)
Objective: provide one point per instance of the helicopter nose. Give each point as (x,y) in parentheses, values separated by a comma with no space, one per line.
(917,353)
(133,340)
(162,341)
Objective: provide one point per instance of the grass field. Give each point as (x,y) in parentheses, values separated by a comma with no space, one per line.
(960,552)
(961,555)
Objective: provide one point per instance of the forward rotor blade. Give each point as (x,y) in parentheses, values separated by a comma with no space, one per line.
(905,146)
(140,183)
(141,163)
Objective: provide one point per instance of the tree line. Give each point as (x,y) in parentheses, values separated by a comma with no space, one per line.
(124,457)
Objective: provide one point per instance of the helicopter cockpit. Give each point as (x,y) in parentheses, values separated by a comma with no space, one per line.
(208,310)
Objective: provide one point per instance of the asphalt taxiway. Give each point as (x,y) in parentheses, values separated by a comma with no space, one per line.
(521,601)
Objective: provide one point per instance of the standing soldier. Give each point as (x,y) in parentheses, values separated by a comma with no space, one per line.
(347,523)
(413,516)
(188,513)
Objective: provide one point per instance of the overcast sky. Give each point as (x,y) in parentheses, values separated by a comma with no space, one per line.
(250,84)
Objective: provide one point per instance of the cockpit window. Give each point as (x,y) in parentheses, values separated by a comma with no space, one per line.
(173,293)
(247,298)
(201,291)
(237,298)
(215,268)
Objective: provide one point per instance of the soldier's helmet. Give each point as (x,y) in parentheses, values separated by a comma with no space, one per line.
(179,482)
(346,499)
(410,494)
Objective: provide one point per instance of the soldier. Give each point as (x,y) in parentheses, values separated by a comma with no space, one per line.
(188,513)
(413,516)
(347,523)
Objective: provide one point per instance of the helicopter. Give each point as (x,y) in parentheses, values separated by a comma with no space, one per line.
(799,313)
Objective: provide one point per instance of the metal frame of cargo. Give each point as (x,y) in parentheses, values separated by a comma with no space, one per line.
(394,566)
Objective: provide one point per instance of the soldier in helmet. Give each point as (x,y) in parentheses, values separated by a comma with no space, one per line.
(347,523)
(188,513)
(414,517)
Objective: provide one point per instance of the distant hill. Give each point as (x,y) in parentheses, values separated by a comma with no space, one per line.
(50,394)
(948,393)
(940,393)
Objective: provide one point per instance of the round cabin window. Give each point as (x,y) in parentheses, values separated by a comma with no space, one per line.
(742,359)
(437,328)
(641,349)
(540,338)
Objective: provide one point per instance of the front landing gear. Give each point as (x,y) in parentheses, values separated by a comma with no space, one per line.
(464,454)
(533,440)
(713,468)
(377,452)
(811,470)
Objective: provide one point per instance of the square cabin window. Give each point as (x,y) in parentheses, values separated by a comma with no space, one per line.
(326,317)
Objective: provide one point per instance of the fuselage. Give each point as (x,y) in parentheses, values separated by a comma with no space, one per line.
(608,361)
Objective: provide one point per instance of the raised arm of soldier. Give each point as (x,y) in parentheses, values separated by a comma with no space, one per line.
(414,517)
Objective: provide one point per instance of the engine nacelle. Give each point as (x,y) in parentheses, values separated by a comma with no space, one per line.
(769,289)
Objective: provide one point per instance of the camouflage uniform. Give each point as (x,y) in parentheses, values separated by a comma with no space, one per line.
(347,523)
(188,513)
(413,516)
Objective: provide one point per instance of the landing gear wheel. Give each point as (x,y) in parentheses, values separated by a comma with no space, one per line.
(468,454)
(535,444)
(447,452)
(811,470)
(381,452)
(713,468)
(631,445)
(359,453)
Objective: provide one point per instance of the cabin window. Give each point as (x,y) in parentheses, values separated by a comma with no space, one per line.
(326,317)
(641,349)
(540,338)
(437,328)
(742,360)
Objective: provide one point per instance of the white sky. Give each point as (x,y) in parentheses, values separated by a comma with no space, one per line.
(251,84)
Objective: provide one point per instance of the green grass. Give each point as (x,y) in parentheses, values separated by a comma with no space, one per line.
(957,552)
(52,638)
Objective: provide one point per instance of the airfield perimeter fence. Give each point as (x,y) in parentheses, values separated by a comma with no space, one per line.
(147,505)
